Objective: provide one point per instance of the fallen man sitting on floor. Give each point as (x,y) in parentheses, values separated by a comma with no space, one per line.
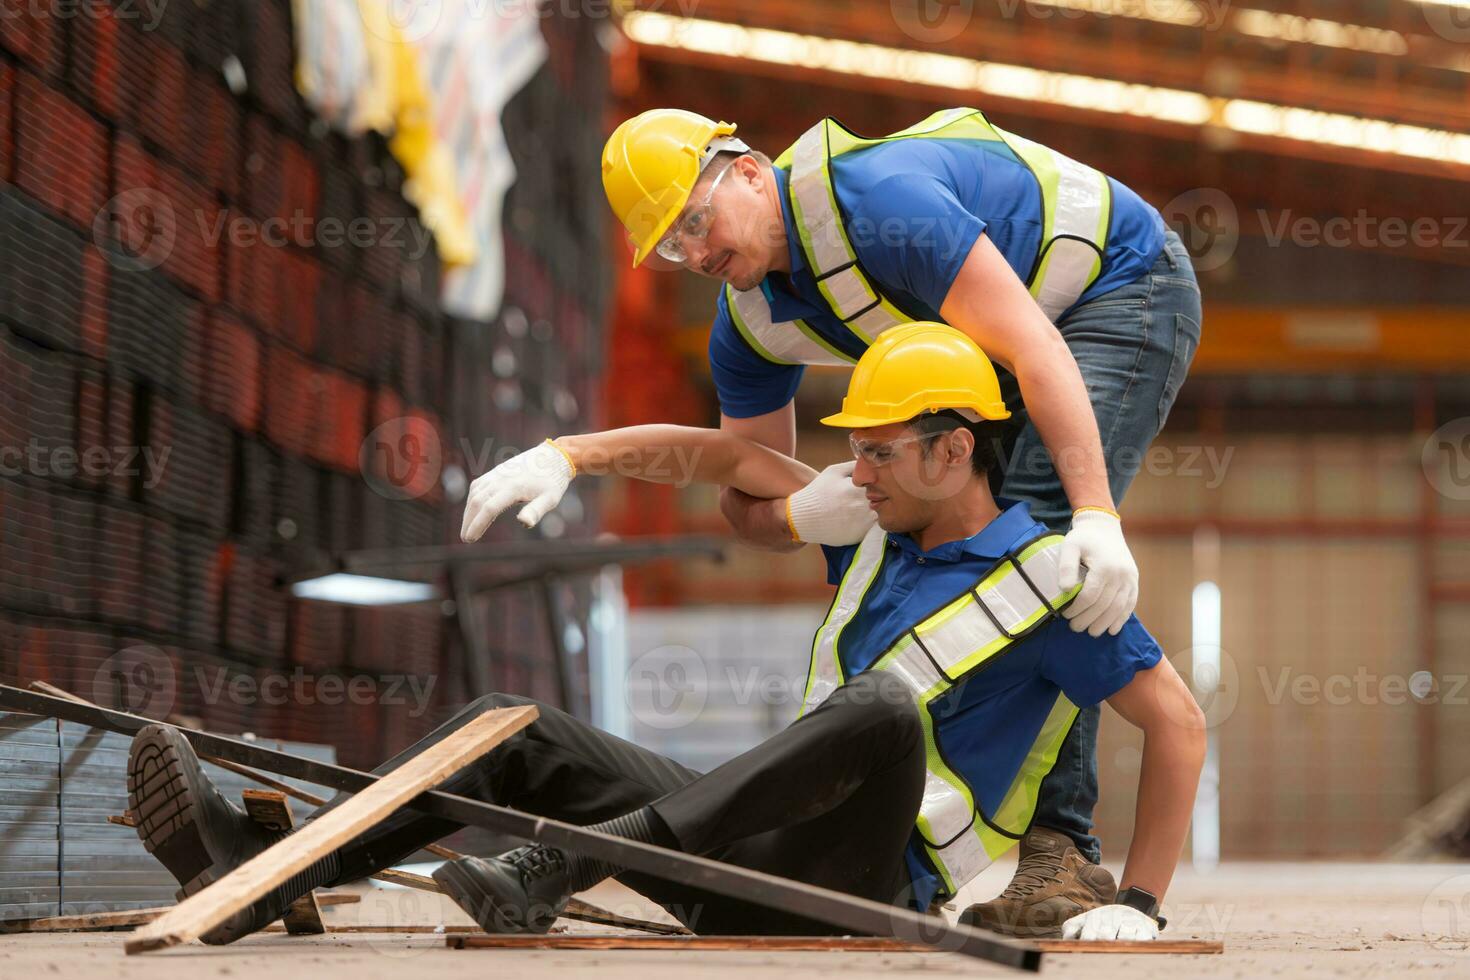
(941,686)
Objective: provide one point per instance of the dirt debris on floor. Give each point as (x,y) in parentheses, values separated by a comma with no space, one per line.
(1277,920)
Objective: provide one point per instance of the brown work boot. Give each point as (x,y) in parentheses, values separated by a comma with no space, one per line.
(1053,882)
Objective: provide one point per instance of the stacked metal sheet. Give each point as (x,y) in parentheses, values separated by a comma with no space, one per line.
(59,855)
(104,866)
(30,813)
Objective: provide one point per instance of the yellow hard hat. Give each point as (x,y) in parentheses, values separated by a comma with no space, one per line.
(919,367)
(650,164)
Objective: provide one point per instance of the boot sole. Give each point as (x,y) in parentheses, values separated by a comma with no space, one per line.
(164,797)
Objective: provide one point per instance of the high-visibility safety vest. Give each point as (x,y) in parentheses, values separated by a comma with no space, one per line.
(1076,205)
(1013,598)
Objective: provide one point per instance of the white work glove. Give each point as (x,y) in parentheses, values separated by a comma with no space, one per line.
(1111,588)
(1111,922)
(540,475)
(831,509)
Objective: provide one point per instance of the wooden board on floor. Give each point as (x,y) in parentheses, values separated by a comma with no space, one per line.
(784,944)
(203,911)
(138,917)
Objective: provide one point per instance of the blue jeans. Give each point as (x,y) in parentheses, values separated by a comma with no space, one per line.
(1134,346)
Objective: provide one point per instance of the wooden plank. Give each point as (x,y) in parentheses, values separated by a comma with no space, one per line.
(587,912)
(94,920)
(852,915)
(268,808)
(408,880)
(784,944)
(138,917)
(201,912)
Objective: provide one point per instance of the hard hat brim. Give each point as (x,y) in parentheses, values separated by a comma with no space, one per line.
(850,420)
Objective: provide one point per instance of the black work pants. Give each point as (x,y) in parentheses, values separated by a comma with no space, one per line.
(830,801)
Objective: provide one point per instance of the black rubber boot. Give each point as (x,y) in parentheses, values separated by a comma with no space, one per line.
(189,825)
(521,891)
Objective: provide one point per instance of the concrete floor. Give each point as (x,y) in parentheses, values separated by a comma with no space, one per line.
(1277,920)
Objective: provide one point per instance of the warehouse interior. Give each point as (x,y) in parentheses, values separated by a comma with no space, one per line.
(254,334)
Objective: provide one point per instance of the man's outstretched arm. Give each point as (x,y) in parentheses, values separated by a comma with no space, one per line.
(674,454)
(1174,734)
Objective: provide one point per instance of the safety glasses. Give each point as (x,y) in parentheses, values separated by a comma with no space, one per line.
(883,453)
(695,222)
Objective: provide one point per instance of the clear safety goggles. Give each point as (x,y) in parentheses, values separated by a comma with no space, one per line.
(883,453)
(695,222)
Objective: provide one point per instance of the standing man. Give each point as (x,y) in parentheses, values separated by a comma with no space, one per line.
(1064,276)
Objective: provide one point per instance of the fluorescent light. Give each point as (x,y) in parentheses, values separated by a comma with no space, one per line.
(1182,14)
(1205,652)
(363,590)
(1315,30)
(1036,85)
(1309,125)
(919,67)
(1265,24)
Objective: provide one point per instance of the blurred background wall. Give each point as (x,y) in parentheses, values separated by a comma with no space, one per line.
(235,384)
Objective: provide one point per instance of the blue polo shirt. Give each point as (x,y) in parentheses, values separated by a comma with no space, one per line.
(912,210)
(988,723)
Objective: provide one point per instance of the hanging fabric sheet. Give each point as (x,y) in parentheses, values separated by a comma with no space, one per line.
(435,82)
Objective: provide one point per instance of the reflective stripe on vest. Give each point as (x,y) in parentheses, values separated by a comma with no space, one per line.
(1013,598)
(1076,210)
(787,342)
